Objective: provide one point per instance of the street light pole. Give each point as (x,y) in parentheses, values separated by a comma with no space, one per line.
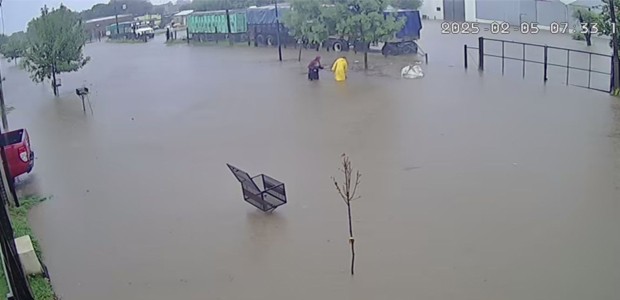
(5,121)
(278,31)
(615,63)
(118,31)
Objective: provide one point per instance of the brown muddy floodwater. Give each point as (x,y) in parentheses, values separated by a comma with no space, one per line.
(474,187)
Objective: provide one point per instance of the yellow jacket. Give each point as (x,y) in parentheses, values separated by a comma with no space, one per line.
(340,69)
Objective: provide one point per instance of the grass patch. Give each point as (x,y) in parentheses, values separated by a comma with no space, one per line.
(125,41)
(4,287)
(223,43)
(176,42)
(40,286)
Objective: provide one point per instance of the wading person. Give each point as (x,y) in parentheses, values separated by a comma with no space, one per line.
(313,68)
(340,69)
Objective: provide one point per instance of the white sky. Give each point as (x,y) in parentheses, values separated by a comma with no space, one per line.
(17,13)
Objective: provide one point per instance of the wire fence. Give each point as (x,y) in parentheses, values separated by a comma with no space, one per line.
(541,62)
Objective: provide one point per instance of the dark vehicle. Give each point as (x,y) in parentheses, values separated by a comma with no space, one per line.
(19,154)
(402,43)
(263,28)
(404,40)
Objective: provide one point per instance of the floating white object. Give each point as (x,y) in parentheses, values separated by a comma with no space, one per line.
(412,72)
(27,255)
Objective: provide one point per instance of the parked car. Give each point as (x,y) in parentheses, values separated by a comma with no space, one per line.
(145,31)
(19,154)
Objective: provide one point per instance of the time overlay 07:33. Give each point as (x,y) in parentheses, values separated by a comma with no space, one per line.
(523,28)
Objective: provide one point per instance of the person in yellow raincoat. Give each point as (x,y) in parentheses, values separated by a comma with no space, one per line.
(340,69)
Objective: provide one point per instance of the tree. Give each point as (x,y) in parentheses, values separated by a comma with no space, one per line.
(305,22)
(347,191)
(604,20)
(364,21)
(133,7)
(3,39)
(408,4)
(15,47)
(610,28)
(56,40)
(589,20)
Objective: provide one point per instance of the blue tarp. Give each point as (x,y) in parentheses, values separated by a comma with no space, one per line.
(265,14)
(413,24)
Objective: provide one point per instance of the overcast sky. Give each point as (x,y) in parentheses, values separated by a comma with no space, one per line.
(17,13)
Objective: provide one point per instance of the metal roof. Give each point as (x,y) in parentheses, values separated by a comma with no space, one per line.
(183,13)
(106,18)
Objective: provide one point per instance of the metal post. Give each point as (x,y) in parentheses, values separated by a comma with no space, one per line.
(503,58)
(567,65)
(615,75)
(523,73)
(589,69)
(230,41)
(481,53)
(545,63)
(278,30)
(118,31)
(465,55)
(5,120)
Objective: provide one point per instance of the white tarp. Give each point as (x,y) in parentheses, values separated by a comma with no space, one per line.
(412,72)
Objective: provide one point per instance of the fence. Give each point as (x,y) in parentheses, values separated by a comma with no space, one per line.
(596,65)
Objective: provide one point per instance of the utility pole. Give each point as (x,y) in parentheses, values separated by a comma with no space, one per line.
(5,121)
(278,30)
(615,63)
(118,31)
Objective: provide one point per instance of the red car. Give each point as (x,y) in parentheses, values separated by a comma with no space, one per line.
(19,155)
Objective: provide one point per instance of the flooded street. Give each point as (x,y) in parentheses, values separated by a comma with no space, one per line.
(474,187)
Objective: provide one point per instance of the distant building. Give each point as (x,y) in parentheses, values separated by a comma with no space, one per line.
(96,28)
(180,19)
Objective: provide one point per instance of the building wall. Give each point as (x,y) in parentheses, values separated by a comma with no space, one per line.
(543,12)
(96,29)
(470,11)
(429,9)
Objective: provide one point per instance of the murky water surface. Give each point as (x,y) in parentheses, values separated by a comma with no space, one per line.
(473,187)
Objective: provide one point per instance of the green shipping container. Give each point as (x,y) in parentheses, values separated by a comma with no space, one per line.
(215,22)
(123,28)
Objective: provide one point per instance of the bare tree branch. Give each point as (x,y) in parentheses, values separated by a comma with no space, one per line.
(358,175)
(344,190)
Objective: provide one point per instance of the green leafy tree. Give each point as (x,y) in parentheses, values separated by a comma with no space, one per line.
(15,47)
(364,22)
(305,22)
(407,4)
(133,7)
(3,39)
(605,26)
(610,28)
(56,40)
(589,20)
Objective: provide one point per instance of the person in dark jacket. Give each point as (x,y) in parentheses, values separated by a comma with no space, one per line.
(313,69)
